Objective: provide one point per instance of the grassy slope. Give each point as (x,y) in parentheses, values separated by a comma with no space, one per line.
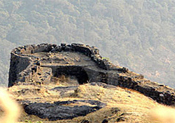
(131,106)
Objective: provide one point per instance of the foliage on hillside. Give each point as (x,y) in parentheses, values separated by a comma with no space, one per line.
(138,34)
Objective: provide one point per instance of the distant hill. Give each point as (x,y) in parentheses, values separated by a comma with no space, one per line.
(136,34)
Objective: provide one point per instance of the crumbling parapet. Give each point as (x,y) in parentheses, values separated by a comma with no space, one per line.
(26,67)
(21,58)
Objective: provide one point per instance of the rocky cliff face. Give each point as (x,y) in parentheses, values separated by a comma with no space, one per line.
(41,63)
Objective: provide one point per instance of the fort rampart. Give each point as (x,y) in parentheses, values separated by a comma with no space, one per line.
(26,67)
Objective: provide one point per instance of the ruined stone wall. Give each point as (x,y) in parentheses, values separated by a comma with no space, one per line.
(21,65)
(160,93)
(22,55)
(17,65)
(23,68)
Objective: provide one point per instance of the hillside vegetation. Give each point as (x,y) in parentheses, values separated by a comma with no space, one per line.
(138,34)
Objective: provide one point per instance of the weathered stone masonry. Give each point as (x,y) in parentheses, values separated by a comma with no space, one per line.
(25,67)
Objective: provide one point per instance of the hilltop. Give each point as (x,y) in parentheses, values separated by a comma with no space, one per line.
(118,104)
(72,83)
(44,63)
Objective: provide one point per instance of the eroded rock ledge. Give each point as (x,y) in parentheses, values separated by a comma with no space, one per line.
(41,63)
(61,110)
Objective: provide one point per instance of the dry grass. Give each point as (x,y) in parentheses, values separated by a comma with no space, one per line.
(132,106)
(32,92)
(114,95)
(63,80)
(135,106)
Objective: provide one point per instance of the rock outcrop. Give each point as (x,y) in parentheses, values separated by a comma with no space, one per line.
(41,63)
(60,110)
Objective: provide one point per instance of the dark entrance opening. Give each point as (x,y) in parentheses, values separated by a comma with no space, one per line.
(76,71)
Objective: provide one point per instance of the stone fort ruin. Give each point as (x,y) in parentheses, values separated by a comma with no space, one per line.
(41,63)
